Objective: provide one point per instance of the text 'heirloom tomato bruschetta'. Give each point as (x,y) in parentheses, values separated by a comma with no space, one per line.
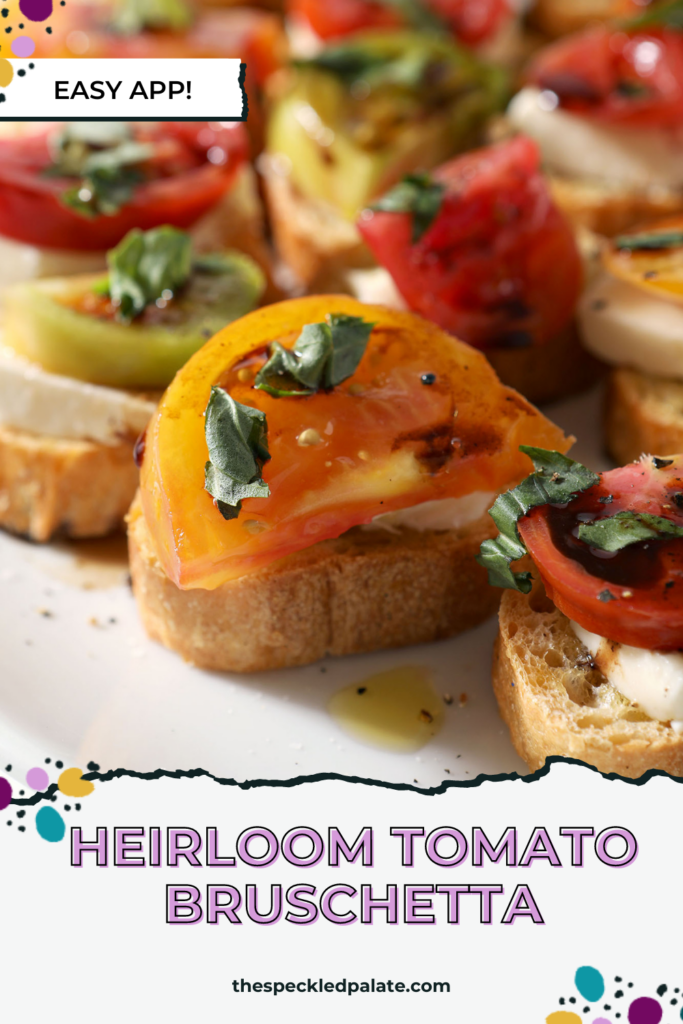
(71,192)
(314,481)
(632,318)
(80,361)
(350,122)
(606,108)
(592,668)
(480,248)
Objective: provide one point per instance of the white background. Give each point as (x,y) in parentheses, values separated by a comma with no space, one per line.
(215,93)
(97,940)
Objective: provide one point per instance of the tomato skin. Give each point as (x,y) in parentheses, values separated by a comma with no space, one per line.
(472,21)
(644,579)
(634,79)
(389,442)
(31,210)
(499,264)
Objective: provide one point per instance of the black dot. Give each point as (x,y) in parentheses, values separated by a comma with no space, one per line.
(677,990)
(22,828)
(618,1015)
(8,29)
(21,792)
(48,760)
(617,979)
(21,73)
(2,97)
(92,767)
(618,994)
(48,30)
(8,767)
(571,999)
(31,66)
(53,798)
(586,1009)
(5,12)
(21,814)
(59,764)
(67,807)
(78,807)
(673,1002)
(661,990)
(21,26)
(9,822)
(428,378)
(561,1001)
(607,1006)
(361,690)
(630,984)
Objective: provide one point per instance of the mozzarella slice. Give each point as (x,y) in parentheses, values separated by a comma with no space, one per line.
(625,325)
(578,147)
(44,403)
(443,514)
(652,680)
(376,287)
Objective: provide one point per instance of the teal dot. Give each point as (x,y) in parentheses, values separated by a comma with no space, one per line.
(590,983)
(50,825)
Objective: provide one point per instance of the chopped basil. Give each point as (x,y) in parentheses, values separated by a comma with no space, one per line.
(323,356)
(107,160)
(145,266)
(133,16)
(556,480)
(650,240)
(624,528)
(237,439)
(352,63)
(416,14)
(418,195)
(668,15)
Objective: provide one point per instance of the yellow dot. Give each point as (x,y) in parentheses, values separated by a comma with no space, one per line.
(6,72)
(71,783)
(563,1017)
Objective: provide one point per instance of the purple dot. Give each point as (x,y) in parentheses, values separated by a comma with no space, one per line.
(645,1011)
(37,778)
(601,1020)
(23,46)
(5,794)
(36,10)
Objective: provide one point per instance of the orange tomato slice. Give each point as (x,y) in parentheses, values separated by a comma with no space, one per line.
(656,268)
(382,440)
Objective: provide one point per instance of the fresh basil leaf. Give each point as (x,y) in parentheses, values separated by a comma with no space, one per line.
(667,15)
(556,480)
(323,356)
(624,528)
(133,16)
(146,265)
(107,160)
(237,439)
(418,195)
(416,14)
(352,63)
(650,240)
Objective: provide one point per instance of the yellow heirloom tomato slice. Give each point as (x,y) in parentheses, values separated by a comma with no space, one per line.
(423,417)
(651,258)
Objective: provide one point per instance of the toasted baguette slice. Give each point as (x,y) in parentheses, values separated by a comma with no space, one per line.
(642,414)
(555,703)
(361,592)
(608,209)
(316,244)
(546,373)
(54,486)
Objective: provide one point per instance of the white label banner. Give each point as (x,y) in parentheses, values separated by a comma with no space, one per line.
(195,89)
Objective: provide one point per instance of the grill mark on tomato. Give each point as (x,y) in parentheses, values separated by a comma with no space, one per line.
(437,444)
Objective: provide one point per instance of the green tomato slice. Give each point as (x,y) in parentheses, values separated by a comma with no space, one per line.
(42,324)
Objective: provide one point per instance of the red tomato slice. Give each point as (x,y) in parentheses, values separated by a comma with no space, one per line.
(185,183)
(499,264)
(633,596)
(471,21)
(629,78)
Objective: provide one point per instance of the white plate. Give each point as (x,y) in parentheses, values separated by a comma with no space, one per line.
(81,682)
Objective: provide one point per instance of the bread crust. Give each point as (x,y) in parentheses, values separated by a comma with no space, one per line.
(54,486)
(610,209)
(556,704)
(316,244)
(364,591)
(545,373)
(642,413)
